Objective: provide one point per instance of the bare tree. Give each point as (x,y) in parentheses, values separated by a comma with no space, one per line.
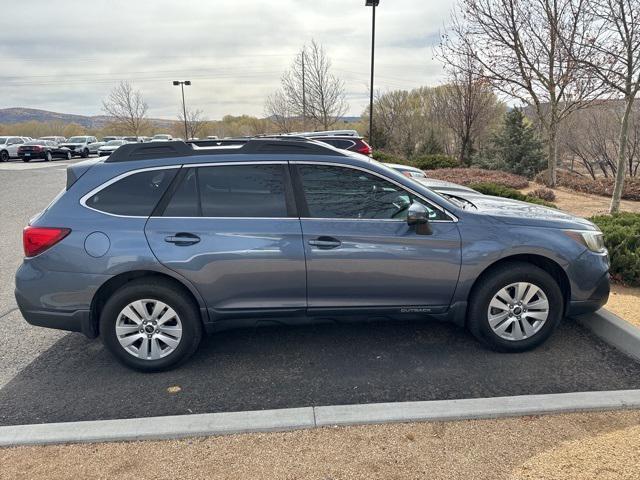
(466,103)
(527,50)
(313,92)
(279,110)
(127,107)
(616,62)
(196,122)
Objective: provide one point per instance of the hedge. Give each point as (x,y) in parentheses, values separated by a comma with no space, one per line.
(506,192)
(601,186)
(385,157)
(469,176)
(622,238)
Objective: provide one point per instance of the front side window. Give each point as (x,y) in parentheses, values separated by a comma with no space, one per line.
(340,192)
(242,191)
(135,195)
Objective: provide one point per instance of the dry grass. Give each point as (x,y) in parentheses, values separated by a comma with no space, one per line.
(598,445)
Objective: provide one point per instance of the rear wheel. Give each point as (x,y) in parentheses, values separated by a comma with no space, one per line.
(515,308)
(4,156)
(85,153)
(26,160)
(69,156)
(149,325)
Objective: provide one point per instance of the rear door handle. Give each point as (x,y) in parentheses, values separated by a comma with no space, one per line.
(325,243)
(183,239)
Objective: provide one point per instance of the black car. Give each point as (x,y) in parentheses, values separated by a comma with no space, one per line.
(43,149)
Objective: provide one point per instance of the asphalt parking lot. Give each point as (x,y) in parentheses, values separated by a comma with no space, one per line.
(49,376)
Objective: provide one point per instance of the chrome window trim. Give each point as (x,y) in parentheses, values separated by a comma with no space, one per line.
(453,218)
(99,188)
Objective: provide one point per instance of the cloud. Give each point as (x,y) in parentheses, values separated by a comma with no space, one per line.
(234,51)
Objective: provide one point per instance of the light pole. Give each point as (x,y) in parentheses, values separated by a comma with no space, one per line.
(374,4)
(184,107)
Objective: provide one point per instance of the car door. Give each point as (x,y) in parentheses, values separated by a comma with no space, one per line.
(231,229)
(360,250)
(13,145)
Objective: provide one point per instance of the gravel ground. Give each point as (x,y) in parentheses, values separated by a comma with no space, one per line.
(599,445)
(625,302)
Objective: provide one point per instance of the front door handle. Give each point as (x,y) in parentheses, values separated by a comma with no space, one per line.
(325,243)
(183,239)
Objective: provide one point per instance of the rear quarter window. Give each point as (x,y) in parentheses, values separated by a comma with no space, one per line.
(135,195)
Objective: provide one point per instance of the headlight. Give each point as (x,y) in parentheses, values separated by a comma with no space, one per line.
(593,240)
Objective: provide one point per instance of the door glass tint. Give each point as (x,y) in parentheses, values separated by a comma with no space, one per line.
(243,191)
(135,195)
(337,192)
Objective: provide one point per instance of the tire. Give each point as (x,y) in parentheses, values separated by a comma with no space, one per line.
(4,156)
(26,160)
(85,153)
(69,156)
(48,157)
(510,333)
(151,290)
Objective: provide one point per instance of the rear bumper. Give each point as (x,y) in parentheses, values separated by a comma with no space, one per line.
(33,155)
(59,300)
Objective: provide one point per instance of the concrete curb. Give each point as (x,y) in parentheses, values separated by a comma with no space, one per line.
(164,428)
(613,330)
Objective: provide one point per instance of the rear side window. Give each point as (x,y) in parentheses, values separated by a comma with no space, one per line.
(339,143)
(242,191)
(135,195)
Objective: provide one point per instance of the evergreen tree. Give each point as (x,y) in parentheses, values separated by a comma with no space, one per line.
(516,147)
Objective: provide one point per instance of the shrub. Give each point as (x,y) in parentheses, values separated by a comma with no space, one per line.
(506,192)
(622,238)
(468,176)
(600,186)
(433,162)
(544,194)
(385,157)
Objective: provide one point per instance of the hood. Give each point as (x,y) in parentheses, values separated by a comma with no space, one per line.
(109,148)
(514,212)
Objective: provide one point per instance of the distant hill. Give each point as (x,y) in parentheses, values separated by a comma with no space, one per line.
(19,115)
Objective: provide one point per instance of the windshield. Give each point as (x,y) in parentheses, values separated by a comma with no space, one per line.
(162,137)
(36,142)
(114,143)
(3,139)
(77,139)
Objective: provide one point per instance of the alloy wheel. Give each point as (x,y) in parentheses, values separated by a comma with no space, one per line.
(518,311)
(148,329)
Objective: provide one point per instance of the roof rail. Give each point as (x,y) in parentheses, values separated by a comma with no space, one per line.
(258,145)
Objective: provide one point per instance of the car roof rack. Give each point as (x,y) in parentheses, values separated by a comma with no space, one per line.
(276,144)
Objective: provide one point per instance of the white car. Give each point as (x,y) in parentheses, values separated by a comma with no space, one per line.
(82,145)
(161,137)
(9,147)
(110,147)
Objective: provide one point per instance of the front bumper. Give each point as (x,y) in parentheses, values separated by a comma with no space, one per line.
(599,297)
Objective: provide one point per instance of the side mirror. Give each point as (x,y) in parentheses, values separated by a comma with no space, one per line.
(418,216)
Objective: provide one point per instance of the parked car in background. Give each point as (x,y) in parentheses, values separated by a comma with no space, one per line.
(110,137)
(162,137)
(54,139)
(9,147)
(83,145)
(110,147)
(151,248)
(42,149)
(352,143)
(440,186)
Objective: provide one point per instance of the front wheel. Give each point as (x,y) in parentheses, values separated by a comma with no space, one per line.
(48,157)
(149,325)
(515,307)
(69,156)
(85,153)
(4,156)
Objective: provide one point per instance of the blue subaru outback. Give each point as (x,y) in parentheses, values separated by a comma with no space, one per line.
(159,243)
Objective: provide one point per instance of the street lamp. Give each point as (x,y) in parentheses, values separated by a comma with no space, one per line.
(374,4)
(184,107)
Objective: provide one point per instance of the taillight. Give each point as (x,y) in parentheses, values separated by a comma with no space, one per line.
(365,149)
(38,239)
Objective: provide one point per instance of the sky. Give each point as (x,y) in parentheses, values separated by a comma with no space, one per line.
(66,55)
